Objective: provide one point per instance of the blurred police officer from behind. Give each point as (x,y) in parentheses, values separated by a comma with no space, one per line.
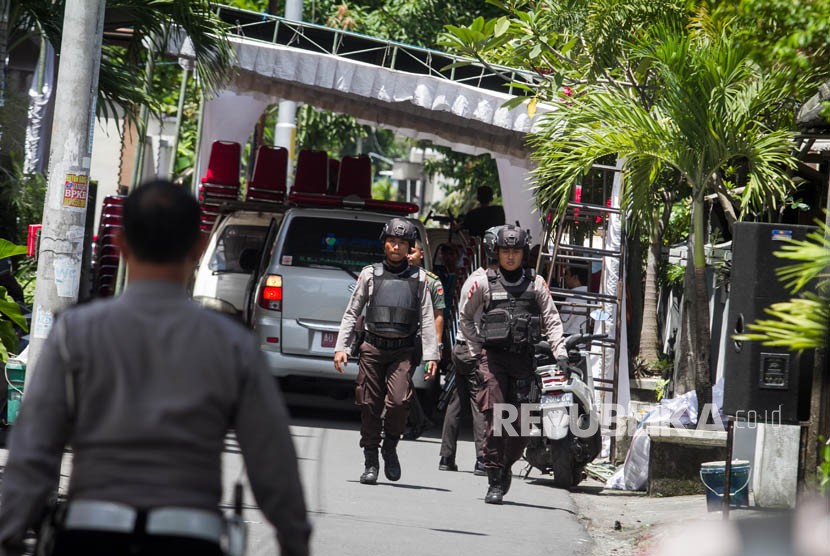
(144,388)
(503,314)
(397,303)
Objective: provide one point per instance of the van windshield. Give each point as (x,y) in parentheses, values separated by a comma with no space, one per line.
(235,239)
(347,244)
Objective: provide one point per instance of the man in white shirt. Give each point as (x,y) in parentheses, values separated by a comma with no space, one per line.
(575,319)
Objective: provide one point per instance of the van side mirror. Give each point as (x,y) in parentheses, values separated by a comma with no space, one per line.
(249,259)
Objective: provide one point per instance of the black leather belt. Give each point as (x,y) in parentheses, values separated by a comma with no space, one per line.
(460,343)
(389,343)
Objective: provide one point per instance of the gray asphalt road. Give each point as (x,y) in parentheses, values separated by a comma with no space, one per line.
(428,512)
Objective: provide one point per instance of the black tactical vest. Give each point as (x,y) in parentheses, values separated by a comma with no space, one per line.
(394,308)
(511,317)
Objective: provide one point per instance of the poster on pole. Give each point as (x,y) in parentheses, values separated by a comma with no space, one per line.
(75,192)
(67,276)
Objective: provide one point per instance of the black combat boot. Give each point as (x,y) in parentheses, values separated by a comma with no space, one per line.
(506,479)
(371,466)
(494,493)
(391,464)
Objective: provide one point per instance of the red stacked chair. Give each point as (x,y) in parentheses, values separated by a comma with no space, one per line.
(312,172)
(105,253)
(355,177)
(221,181)
(270,171)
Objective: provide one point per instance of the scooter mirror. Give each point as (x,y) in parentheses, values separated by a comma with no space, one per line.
(600,315)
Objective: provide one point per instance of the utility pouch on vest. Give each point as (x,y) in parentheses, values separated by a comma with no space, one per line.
(521,330)
(495,328)
(527,330)
(535,330)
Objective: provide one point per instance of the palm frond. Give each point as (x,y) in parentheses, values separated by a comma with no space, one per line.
(798,324)
(814,256)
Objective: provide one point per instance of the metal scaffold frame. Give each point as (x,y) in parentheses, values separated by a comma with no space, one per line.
(376,51)
(559,250)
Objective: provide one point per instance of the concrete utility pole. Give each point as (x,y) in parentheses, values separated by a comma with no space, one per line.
(4,39)
(64,210)
(286,130)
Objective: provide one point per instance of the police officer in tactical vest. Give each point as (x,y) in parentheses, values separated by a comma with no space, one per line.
(504,311)
(398,305)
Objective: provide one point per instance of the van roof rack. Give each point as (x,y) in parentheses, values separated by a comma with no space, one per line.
(254,206)
(351,201)
(320,201)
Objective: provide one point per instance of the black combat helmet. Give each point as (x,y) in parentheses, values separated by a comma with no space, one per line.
(489,242)
(512,236)
(402,228)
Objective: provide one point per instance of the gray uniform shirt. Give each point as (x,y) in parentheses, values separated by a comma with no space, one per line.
(159,381)
(475,294)
(360,296)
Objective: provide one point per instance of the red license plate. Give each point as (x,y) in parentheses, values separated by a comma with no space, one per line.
(329,339)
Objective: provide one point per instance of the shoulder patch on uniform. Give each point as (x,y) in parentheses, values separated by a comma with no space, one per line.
(431,274)
(473,288)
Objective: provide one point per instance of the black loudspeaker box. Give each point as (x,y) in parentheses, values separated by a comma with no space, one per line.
(762,383)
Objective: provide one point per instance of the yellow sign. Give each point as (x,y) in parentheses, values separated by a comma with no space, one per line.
(75,191)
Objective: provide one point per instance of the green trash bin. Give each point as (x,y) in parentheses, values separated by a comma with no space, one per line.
(15,376)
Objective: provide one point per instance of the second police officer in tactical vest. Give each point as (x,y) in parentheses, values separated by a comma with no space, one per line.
(398,305)
(504,311)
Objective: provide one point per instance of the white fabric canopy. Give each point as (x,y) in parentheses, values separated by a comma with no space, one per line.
(423,106)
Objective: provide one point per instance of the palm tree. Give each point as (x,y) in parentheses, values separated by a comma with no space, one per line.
(708,115)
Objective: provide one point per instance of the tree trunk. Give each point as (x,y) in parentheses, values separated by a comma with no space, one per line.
(694,368)
(728,210)
(724,201)
(634,280)
(650,347)
(649,335)
(699,314)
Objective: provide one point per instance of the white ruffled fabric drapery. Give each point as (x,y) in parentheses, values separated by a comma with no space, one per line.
(447,113)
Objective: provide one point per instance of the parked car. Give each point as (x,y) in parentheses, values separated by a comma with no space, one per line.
(297,300)
(232,254)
